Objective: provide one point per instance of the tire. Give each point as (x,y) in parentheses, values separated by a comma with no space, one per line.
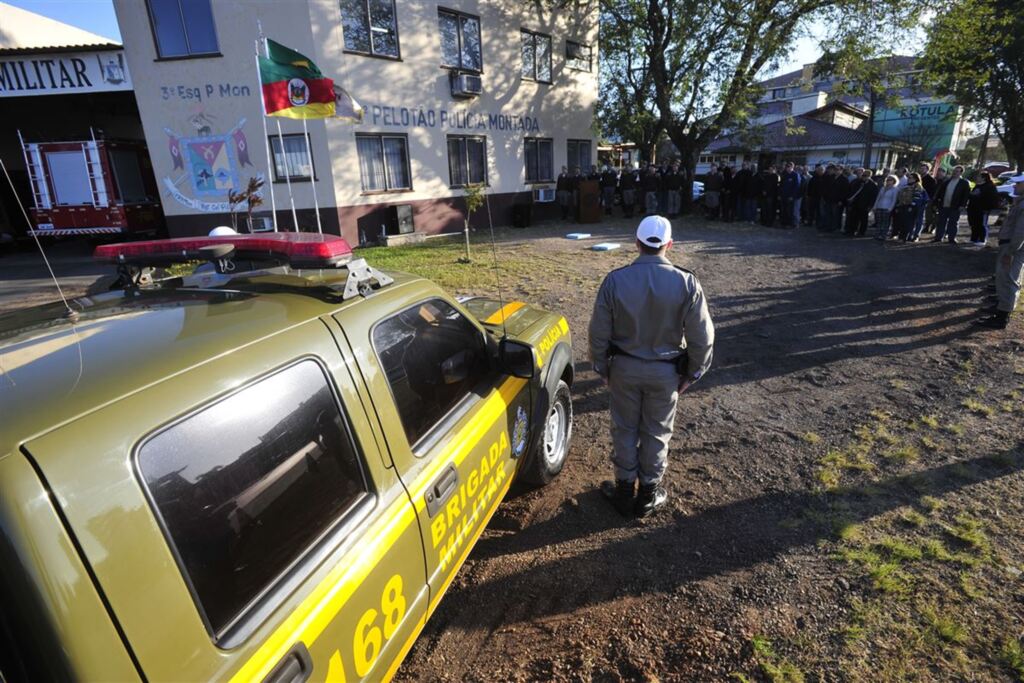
(548,458)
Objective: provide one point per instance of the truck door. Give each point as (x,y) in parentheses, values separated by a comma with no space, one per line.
(454,425)
(240,521)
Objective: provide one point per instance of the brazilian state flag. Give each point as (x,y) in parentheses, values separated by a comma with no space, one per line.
(293,86)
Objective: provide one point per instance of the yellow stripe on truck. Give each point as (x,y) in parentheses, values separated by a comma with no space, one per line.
(503,313)
(317,611)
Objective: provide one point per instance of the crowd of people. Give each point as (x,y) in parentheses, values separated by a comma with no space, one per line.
(656,190)
(835,198)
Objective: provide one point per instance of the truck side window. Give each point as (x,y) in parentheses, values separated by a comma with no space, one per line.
(433,357)
(245,487)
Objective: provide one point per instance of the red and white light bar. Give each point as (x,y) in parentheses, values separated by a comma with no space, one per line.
(298,249)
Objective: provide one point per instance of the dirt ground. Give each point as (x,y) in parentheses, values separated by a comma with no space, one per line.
(845,484)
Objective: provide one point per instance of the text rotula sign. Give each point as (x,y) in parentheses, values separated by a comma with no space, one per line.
(64,73)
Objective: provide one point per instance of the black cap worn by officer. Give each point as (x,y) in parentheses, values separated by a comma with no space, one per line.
(651,336)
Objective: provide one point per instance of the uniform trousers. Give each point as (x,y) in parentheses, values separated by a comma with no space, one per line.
(628,200)
(565,201)
(675,201)
(1008,277)
(651,203)
(608,199)
(643,411)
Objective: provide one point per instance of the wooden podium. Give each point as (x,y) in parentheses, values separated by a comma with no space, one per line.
(588,202)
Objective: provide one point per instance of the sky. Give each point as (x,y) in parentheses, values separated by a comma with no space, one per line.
(97,16)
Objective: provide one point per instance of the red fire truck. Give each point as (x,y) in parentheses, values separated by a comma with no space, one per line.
(92,187)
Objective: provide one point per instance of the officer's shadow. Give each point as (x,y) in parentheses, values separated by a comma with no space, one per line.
(672,549)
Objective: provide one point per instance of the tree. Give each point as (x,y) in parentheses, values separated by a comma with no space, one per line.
(704,58)
(975,55)
(473,194)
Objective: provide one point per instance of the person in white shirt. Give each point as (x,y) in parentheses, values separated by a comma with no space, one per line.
(884,204)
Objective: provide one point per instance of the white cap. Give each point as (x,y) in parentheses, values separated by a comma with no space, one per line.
(222,231)
(654,231)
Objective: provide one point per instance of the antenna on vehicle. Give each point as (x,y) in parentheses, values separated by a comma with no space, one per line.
(497,272)
(72,315)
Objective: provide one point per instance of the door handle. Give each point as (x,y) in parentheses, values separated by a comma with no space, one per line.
(294,667)
(442,489)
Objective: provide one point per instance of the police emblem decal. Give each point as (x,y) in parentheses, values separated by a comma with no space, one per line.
(519,433)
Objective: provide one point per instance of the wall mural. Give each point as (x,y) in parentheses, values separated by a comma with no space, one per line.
(210,164)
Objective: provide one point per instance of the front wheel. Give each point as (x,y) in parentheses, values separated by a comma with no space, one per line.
(549,458)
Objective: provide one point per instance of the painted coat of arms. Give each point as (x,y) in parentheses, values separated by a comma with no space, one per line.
(209,164)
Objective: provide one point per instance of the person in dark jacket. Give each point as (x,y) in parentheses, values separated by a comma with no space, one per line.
(789,190)
(728,195)
(837,191)
(609,181)
(672,184)
(983,198)
(627,186)
(929,184)
(563,191)
(951,197)
(650,185)
(859,204)
(742,187)
(769,187)
(713,192)
(815,190)
(910,201)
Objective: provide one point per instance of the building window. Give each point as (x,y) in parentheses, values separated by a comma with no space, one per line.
(577,153)
(183,28)
(294,163)
(578,56)
(383,162)
(415,348)
(778,93)
(467,160)
(536,56)
(539,155)
(460,40)
(369,27)
(246,487)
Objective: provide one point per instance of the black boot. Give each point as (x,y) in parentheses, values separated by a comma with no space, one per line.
(620,493)
(998,321)
(649,499)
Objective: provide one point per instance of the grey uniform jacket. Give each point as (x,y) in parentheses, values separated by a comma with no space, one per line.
(653,310)
(1013,225)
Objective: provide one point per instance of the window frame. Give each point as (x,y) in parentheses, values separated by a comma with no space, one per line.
(459,14)
(776,95)
(429,437)
(190,55)
(534,35)
(590,59)
(487,176)
(301,567)
(574,163)
(369,30)
(537,141)
(387,176)
(273,158)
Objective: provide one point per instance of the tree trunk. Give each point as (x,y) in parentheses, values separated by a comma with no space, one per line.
(869,132)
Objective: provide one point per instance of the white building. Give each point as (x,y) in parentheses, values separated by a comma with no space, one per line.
(528,80)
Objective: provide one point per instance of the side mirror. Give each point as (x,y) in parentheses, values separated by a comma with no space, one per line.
(517,358)
(456,367)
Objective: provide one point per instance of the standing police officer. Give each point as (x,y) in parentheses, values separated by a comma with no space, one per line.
(651,336)
(1009,262)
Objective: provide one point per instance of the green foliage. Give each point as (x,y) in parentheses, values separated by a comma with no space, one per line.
(774,668)
(988,84)
(1012,656)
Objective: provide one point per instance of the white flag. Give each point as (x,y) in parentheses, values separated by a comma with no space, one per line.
(346,107)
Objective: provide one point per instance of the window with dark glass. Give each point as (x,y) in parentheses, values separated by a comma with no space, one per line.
(383,162)
(247,486)
(577,153)
(467,160)
(183,28)
(778,93)
(536,50)
(294,162)
(370,27)
(578,56)
(433,357)
(460,40)
(539,156)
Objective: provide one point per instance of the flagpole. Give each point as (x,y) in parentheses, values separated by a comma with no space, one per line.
(312,177)
(266,138)
(287,176)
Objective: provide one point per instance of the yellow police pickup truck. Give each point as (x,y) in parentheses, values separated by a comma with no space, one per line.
(270,470)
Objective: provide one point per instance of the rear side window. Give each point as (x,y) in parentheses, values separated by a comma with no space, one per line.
(433,357)
(246,486)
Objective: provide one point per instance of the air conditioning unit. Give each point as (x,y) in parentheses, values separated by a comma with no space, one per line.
(467,85)
(574,51)
(543,195)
